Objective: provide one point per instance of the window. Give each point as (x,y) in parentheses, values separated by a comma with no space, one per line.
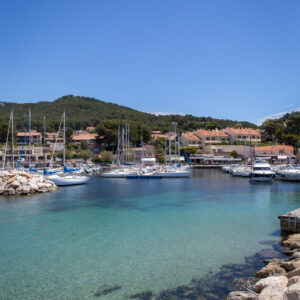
(208,139)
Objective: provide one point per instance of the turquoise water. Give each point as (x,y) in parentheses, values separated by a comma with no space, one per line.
(137,234)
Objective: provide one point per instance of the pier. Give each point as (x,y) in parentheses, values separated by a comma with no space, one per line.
(290,221)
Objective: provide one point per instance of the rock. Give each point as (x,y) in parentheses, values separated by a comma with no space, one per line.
(272,293)
(15,184)
(11,191)
(293,273)
(147,295)
(11,179)
(268,253)
(295,245)
(293,292)
(23,180)
(106,290)
(241,296)
(33,187)
(270,281)
(25,189)
(2,189)
(291,265)
(272,269)
(295,255)
(293,238)
(25,175)
(293,280)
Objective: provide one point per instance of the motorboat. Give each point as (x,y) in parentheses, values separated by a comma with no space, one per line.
(261,172)
(242,171)
(289,174)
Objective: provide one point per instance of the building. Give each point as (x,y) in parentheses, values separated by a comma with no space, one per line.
(190,139)
(208,137)
(51,137)
(276,153)
(243,134)
(137,153)
(30,154)
(245,152)
(33,136)
(210,159)
(81,136)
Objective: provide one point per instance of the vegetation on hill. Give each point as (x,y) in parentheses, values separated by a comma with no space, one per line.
(83,111)
(284,130)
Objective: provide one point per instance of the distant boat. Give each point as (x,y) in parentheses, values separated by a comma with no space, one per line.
(66,178)
(261,172)
(289,174)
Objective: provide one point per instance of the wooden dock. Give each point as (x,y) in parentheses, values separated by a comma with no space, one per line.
(290,221)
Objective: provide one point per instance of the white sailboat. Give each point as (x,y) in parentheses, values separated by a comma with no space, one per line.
(66,178)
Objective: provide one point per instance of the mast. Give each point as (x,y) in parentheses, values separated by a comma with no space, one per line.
(128,143)
(6,145)
(12,139)
(122,144)
(64,154)
(169,143)
(44,148)
(178,143)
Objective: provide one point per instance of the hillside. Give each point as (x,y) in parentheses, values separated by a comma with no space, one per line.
(83,111)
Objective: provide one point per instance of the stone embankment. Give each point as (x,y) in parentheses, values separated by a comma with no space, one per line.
(21,183)
(280,277)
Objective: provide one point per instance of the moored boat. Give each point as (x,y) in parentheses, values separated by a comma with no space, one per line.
(261,172)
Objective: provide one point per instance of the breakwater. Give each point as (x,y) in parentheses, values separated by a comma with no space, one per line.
(22,183)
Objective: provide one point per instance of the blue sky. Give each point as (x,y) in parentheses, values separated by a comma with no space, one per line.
(232,59)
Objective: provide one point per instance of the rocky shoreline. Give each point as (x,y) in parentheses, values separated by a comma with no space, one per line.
(21,183)
(280,277)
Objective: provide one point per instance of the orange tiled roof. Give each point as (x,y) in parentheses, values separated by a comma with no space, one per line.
(275,148)
(216,132)
(190,136)
(243,131)
(84,136)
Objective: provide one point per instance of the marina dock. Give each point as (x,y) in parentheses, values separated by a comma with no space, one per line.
(290,221)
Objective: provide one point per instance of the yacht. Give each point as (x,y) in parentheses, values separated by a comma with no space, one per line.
(261,172)
(171,172)
(289,174)
(242,171)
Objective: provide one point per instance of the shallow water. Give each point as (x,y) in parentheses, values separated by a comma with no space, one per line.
(136,235)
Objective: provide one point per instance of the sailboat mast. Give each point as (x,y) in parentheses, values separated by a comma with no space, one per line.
(64,154)
(6,145)
(128,143)
(44,148)
(122,144)
(12,138)
(169,143)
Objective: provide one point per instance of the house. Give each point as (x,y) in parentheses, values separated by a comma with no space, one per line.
(51,137)
(276,153)
(33,137)
(80,136)
(208,137)
(190,139)
(243,134)
(137,153)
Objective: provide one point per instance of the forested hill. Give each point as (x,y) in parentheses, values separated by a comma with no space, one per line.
(83,111)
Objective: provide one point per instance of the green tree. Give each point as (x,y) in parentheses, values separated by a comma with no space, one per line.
(84,145)
(106,156)
(234,154)
(85,155)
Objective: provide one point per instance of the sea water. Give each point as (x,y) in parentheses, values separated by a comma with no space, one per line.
(134,235)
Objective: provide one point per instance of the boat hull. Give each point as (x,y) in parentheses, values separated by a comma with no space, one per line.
(68,180)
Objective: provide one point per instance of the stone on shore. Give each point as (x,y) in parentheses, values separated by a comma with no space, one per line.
(293,273)
(293,292)
(20,183)
(271,269)
(293,280)
(272,293)
(240,295)
(270,281)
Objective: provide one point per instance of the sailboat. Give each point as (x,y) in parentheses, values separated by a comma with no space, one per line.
(67,178)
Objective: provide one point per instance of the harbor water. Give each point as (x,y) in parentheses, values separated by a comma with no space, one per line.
(128,236)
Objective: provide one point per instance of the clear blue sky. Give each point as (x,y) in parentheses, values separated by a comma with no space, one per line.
(227,59)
